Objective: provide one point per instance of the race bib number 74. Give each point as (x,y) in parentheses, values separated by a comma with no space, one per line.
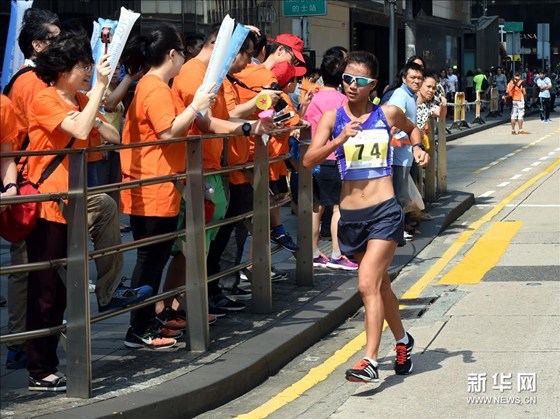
(367,149)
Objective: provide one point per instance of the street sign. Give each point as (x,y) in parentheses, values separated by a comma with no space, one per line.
(304,7)
(513,26)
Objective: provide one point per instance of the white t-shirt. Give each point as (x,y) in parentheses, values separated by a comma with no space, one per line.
(453,82)
(544,82)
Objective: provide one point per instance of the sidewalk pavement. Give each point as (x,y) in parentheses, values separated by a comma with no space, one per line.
(245,349)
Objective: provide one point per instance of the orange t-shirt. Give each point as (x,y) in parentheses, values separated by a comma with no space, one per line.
(8,123)
(238,147)
(46,113)
(257,76)
(280,144)
(24,90)
(152,111)
(185,85)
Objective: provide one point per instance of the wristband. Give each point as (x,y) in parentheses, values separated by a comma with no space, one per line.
(10,185)
(196,113)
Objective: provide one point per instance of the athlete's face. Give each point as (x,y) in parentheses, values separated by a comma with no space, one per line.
(353,91)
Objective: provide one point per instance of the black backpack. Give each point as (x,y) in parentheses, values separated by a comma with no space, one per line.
(485,85)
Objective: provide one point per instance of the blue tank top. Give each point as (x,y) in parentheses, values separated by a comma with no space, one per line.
(368,154)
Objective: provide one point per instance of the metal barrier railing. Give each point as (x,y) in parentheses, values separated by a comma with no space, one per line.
(77,330)
(76,274)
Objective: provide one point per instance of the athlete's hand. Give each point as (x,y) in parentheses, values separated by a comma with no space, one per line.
(350,130)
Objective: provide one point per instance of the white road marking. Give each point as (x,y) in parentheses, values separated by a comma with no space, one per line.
(485,194)
(501,185)
(515,177)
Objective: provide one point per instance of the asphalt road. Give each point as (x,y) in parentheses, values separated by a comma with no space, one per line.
(482,301)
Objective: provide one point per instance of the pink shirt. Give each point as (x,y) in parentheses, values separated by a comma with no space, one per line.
(323,100)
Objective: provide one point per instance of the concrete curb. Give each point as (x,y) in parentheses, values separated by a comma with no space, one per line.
(253,361)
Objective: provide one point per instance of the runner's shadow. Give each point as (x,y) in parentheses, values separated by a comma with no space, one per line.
(426,361)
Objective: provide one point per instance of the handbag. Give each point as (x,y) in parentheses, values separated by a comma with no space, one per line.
(19,220)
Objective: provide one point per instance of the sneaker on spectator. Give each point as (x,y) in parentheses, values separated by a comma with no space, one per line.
(403,362)
(342,263)
(57,384)
(240,293)
(149,339)
(224,303)
(362,372)
(164,332)
(320,261)
(243,276)
(408,237)
(171,319)
(125,296)
(284,240)
(277,274)
(16,358)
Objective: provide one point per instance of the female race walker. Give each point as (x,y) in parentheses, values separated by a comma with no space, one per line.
(371,221)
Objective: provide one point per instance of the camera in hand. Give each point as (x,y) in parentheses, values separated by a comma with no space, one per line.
(280,105)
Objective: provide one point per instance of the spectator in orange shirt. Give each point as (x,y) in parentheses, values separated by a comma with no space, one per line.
(61,116)
(217,121)
(156,113)
(8,135)
(285,48)
(240,187)
(38,28)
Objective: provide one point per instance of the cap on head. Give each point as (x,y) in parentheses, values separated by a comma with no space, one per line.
(285,72)
(293,42)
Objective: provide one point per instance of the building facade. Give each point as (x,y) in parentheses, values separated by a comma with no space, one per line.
(444,35)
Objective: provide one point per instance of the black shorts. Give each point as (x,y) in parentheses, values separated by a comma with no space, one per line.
(327,184)
(383,221)
(278,186)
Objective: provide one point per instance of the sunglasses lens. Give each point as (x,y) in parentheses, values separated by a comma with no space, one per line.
(362,81)
(347,78)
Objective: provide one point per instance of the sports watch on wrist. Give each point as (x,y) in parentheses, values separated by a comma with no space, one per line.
(246,128)
(420,146)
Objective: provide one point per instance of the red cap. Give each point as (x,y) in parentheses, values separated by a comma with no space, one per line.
(293,42)
(284,72)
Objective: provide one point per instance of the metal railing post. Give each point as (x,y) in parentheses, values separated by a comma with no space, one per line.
(441,157)
(430,170)
(262,286)
(195,258)
(78,349)
(304,261)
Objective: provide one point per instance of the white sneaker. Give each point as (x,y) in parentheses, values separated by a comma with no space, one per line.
(408,236)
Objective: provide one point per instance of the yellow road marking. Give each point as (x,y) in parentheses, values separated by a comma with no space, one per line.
(484,255)
(321,372)
(443,261)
